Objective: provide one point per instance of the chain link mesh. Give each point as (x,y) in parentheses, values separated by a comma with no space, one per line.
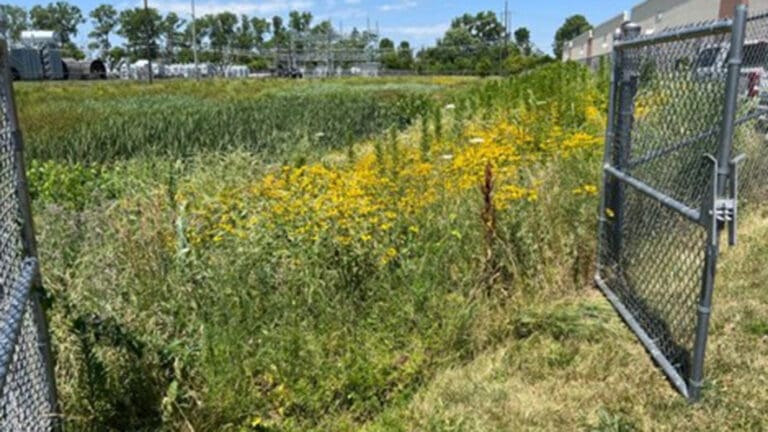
(27,402)
(657,273)
(678,113)
(652,257)
(751,137)
(667,121)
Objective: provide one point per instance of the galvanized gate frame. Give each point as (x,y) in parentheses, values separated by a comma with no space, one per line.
(720,206)
(25,295)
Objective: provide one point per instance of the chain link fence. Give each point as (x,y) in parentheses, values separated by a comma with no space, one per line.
(751,130)
(27,390)
(684,105)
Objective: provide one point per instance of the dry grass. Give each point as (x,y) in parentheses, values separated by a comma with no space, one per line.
(595,376)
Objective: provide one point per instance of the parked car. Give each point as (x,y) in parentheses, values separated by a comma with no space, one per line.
(711,63)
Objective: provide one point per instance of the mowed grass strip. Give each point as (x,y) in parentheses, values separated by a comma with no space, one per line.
(597,377)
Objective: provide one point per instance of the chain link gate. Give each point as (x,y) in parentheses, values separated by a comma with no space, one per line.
(686,109)
(27,389)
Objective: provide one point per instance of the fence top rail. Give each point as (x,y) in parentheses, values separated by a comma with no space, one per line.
(711,28)
(762,14)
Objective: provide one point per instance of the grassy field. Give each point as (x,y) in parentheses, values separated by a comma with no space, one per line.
(583,368)
(404,254)
(104,122)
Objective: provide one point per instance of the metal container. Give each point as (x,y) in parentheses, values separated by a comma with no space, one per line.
(26,64)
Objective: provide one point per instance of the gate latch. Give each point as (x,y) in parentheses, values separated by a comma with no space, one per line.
(725,209)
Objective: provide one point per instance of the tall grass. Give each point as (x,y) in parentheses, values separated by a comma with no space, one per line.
(110,124)
(185,296)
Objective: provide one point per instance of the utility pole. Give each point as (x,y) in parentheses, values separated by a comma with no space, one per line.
(506,25)
(376,55)
(194,42)
(150,35)
(328,61)
(505,51)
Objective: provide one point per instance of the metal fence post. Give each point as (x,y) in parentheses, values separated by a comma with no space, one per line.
(610,137)
(28,231)
(721,176)
(627,74)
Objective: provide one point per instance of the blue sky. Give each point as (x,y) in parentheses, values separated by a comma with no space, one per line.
(419,21)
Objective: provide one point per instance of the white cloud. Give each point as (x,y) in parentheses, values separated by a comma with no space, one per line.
(421,32)
(400,5)
(351,2)
(343,14)
(237,7)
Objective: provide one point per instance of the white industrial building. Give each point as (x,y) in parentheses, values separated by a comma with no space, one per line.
(653,16)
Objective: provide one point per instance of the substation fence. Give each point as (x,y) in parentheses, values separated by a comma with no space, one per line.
(27,389)
(685,154)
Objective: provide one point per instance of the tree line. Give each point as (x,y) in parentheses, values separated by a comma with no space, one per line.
(477,44)
(146,33)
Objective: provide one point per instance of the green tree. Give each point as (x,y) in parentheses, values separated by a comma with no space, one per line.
(386,44)
(258,64)
(200,33)
(484,67)
(387,54)
(116,54)
(104,19)
(299,22)
(299,25)
(278,29)
(61,17)
(244,38)
(323,28)
(221,34)
(69,49)
(523,40)
(320,36)
(279,37)
(174,37)
(572,27)
(405,55)
(141,29)
(473,43)
(484,27)
(16,20)
(259,27)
